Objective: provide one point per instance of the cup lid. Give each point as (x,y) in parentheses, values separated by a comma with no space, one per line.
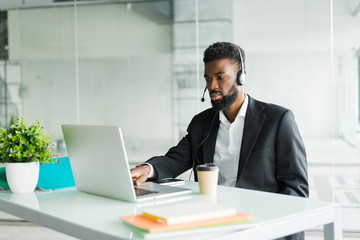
(207,167)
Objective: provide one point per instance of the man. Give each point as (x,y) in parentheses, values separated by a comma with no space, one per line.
(256,145)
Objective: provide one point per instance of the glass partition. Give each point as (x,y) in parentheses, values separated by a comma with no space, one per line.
(125,72)
(346,143)
(288,62)
(38,80)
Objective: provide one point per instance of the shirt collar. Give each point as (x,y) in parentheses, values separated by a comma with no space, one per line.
(244,106)
(241,113)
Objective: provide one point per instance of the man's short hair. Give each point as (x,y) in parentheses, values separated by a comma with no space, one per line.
(221,50)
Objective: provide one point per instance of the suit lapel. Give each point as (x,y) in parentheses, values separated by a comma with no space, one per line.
(209,144)
(254,120)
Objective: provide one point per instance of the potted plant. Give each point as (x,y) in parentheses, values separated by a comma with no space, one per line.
(22,148)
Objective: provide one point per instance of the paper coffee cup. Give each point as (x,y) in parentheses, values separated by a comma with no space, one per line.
(208,178)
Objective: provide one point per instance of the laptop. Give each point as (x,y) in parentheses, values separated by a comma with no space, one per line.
(100,165)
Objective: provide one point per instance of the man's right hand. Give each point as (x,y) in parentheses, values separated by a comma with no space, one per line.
(140,173)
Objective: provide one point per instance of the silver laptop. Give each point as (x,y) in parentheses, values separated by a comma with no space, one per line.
(100,165)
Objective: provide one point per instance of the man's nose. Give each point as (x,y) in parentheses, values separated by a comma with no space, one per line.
(213,84)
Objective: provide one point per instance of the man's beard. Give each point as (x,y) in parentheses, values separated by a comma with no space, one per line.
(227,100)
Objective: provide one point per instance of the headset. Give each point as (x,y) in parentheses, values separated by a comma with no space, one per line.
(240,76)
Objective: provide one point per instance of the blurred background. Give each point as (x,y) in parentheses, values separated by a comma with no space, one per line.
(138,65)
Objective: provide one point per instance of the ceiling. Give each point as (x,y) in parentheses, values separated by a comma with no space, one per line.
(20,4)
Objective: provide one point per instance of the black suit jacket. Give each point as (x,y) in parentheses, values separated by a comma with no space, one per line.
(272,155)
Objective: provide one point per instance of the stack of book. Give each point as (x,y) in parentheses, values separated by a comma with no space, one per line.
(187,218)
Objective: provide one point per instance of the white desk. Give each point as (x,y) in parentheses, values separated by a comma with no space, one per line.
(87,216)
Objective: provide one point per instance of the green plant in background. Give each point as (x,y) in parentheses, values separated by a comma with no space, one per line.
(22,143)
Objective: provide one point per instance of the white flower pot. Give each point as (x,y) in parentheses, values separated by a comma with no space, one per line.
(22,177)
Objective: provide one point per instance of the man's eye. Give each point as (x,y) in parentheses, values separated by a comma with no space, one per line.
(220,77)
(208,79)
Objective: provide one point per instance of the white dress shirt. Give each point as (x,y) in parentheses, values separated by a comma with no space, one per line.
(228,144)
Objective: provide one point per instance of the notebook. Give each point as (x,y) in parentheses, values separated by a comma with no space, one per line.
(56,176)
(187,212)
(100,165)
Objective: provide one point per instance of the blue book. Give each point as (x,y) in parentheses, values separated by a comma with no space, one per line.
(57,175)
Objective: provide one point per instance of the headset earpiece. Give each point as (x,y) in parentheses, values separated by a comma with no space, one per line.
(240,77)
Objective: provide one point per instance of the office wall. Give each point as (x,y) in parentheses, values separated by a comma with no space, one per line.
(289,57)
(124,69)
(42,40)
(300,81)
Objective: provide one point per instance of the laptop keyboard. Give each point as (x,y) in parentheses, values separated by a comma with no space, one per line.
(142,192)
